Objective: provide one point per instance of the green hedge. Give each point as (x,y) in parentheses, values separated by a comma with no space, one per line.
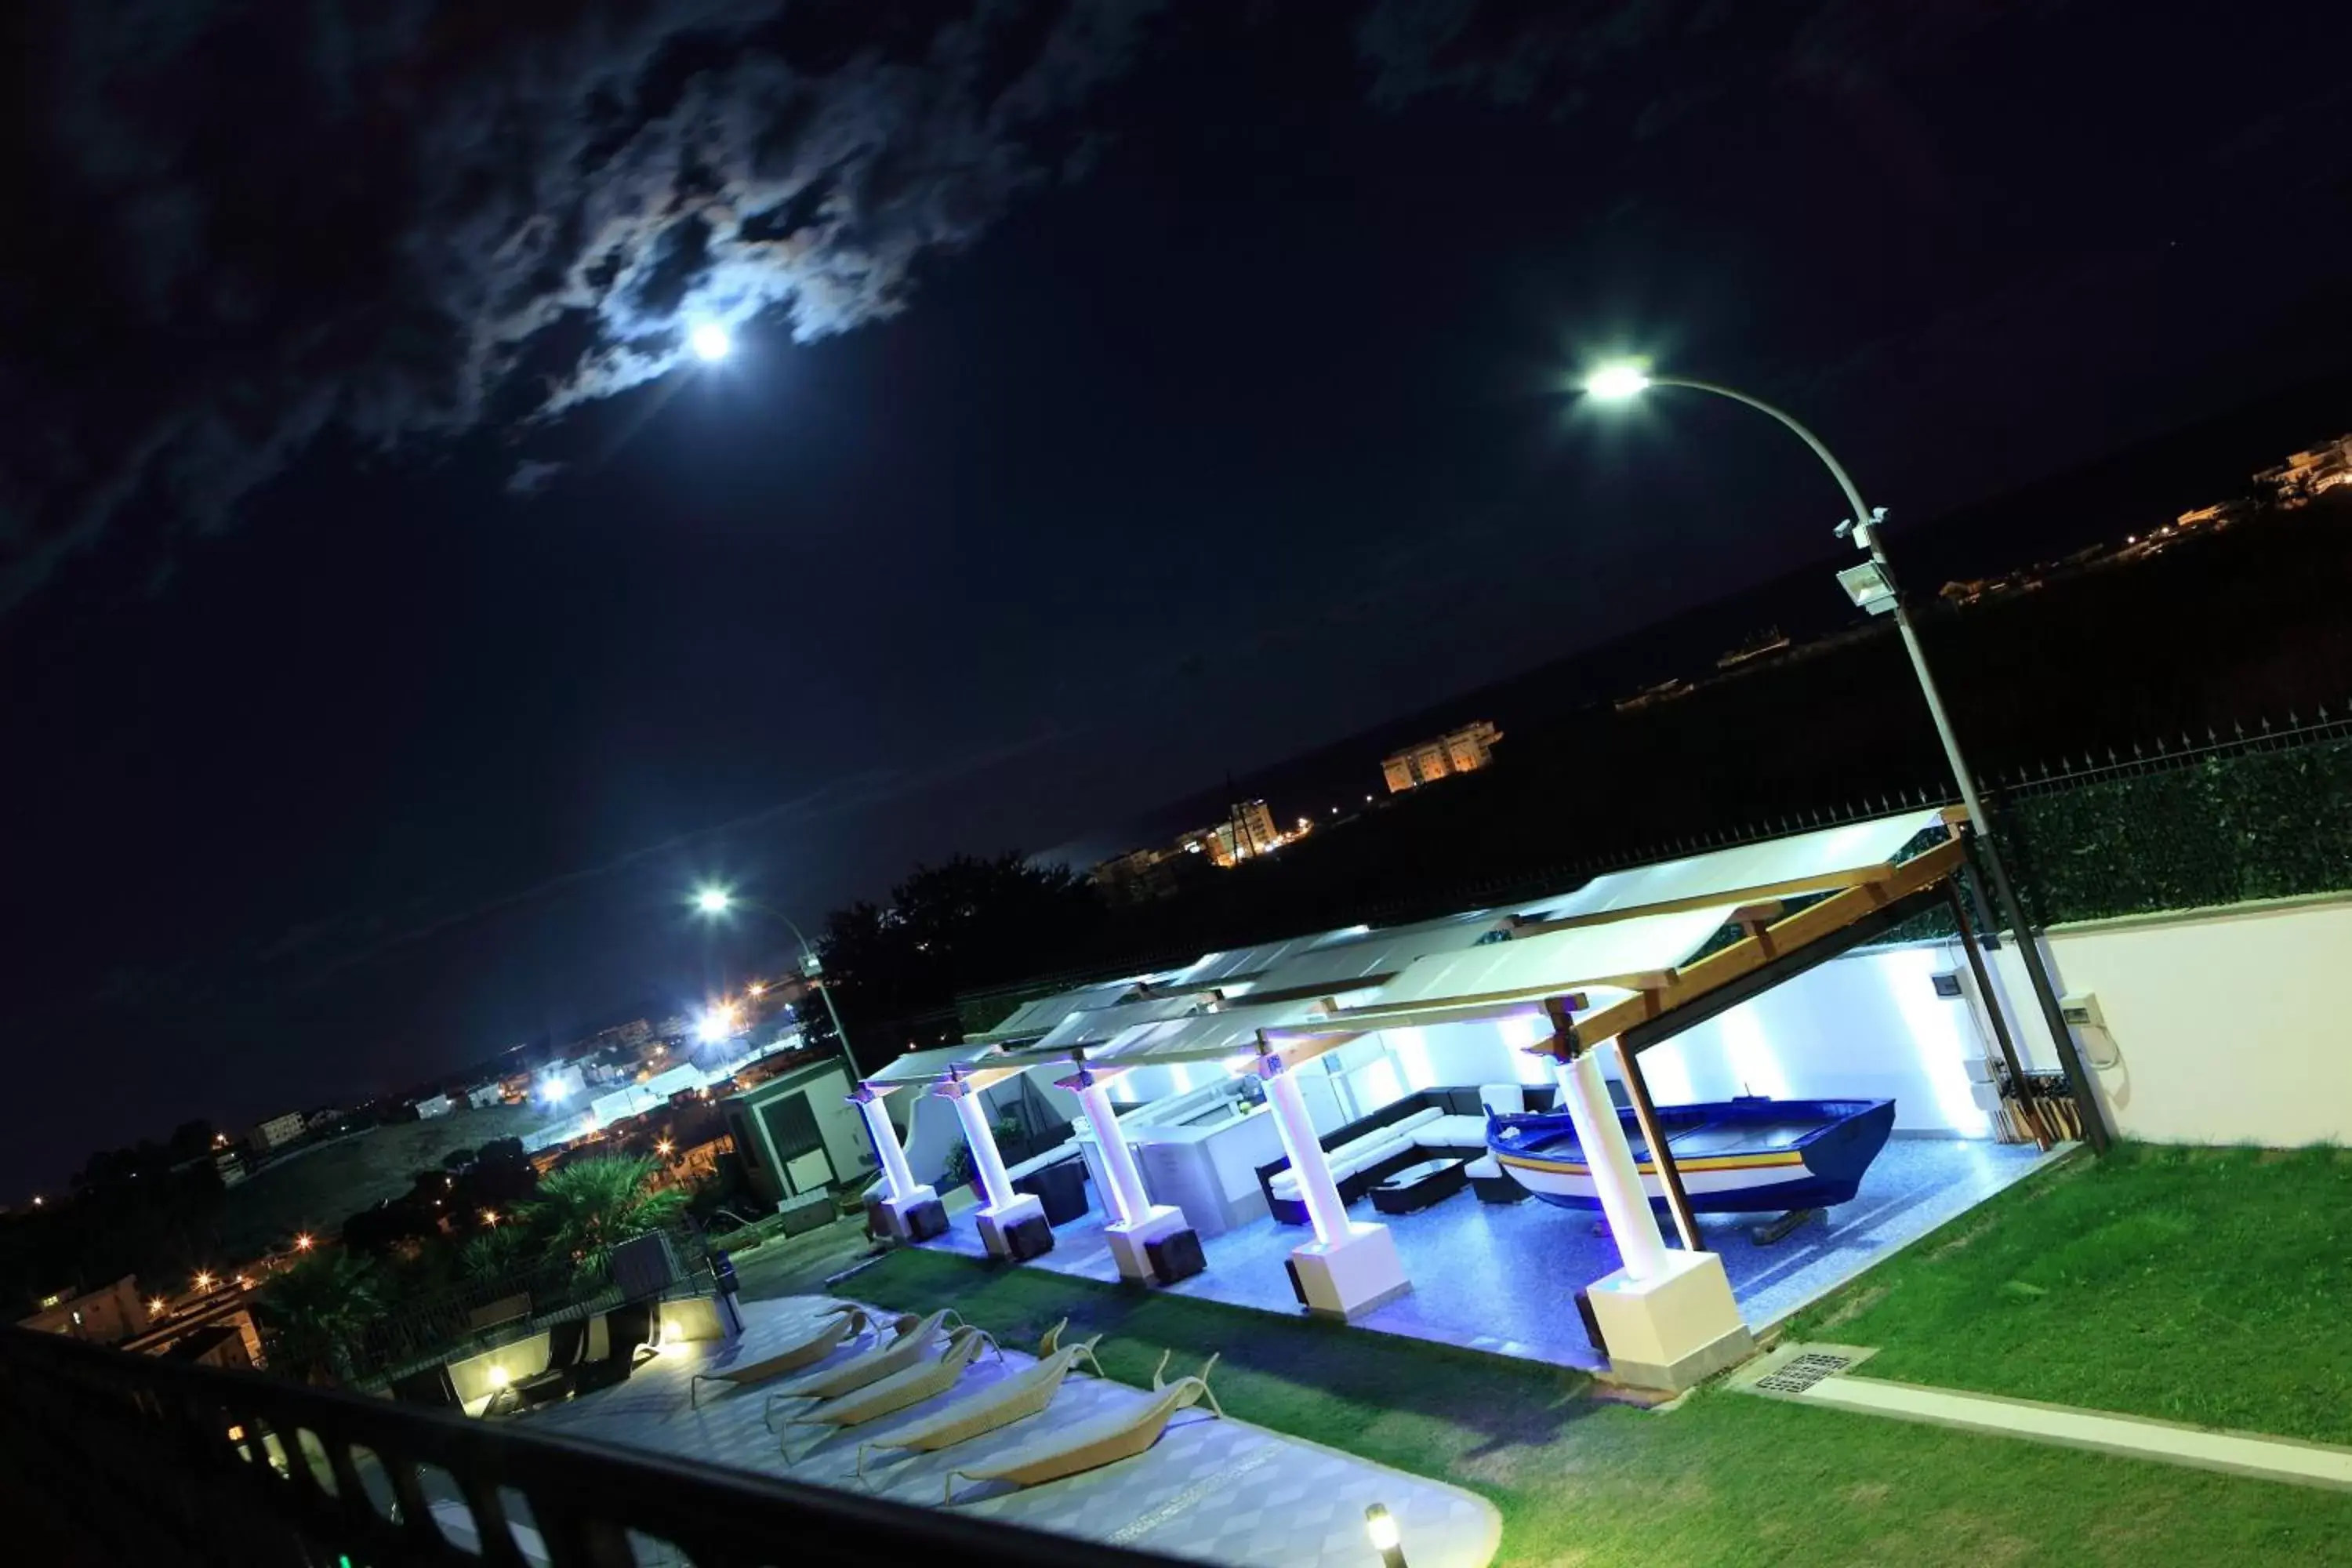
(2256,825)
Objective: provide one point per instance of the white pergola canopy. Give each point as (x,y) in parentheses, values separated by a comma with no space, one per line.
(1623,936)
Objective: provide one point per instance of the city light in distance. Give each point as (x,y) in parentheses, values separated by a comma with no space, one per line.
(203,1281)
(490,1218)
(711,342)
(304,1242)
(155,1307)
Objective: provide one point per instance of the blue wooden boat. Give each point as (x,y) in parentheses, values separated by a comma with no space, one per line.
(1750,1155)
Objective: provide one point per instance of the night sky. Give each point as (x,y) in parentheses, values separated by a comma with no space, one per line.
(398,620)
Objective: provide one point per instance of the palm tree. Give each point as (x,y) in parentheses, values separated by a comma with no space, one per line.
(496,1253)
(588,1206)
(319,1306)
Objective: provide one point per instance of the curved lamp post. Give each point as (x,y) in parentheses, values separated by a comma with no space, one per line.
(717,902)
(1872,587)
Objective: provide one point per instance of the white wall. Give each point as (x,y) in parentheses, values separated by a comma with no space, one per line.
(842,1126)
(1868,1026)
(2225,1026)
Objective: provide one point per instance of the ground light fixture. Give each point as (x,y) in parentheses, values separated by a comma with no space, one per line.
(1873,587)
(1381,1526)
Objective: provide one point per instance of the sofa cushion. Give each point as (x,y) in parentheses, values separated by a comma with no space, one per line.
(1420,1118)
(1356,1147)
(1284,1184)
(1483,1169)
(1452,1132)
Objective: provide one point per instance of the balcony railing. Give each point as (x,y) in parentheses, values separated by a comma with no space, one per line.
(112,1457)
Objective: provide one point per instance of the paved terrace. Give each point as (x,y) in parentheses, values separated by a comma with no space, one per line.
(1502,1277)
(1211,1489)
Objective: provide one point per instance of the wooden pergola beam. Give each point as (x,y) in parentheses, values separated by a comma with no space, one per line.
(1762,945)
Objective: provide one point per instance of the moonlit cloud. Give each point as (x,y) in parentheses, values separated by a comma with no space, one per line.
(405,221)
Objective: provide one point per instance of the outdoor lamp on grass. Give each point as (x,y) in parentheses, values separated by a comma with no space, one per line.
(1872,587)
(1382,1527)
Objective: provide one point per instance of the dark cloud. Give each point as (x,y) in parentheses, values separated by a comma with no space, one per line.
(1649,64)
(245,224)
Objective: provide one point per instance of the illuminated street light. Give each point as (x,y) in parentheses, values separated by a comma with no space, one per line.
(1615,383)
(155,1307)
(490,1218)
(663,1147)
(304,1242)
(755,989)
(715,900)
(711,342)
(713,1027)
(204,1280)
(1872,586)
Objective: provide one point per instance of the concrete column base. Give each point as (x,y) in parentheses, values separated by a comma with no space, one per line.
(1129,1241)
(1346,1279)
(1673,1331)
(1016,1230)
(917,1216)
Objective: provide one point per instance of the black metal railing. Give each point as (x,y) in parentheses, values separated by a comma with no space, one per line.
(111,1457)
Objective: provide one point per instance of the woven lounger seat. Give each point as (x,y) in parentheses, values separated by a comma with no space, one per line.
(1026,1394)
(817,1342)
(914,1341)
(901,1389)
(1096,1441)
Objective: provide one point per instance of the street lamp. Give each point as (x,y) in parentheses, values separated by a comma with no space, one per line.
(204,1280)
(304,1242)
(710,342)
(1872,587)
(715,902)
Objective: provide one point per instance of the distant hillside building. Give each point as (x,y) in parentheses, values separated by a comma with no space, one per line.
(1463,750)
(279,1131)
(2307,474)
(103,1317)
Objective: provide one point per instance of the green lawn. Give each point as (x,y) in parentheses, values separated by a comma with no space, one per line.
(1727,1479)
(2204,1285)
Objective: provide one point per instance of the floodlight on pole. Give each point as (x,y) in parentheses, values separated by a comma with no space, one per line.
(1872,586)
(1616,382)
(714,900)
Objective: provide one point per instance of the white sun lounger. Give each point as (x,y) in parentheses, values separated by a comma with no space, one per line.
(811,1345)
(915,1338)
(1095,1441)
(901,1389)
(1000,1403)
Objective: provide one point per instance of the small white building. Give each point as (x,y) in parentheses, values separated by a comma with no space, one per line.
(279,1131)
(426,1109)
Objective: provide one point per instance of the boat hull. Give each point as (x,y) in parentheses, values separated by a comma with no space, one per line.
(1750,1155)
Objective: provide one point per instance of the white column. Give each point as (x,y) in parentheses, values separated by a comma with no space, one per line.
(1324,1205)
(1118,1160)
(1610,1159)
(900,1180)
(971,1110)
